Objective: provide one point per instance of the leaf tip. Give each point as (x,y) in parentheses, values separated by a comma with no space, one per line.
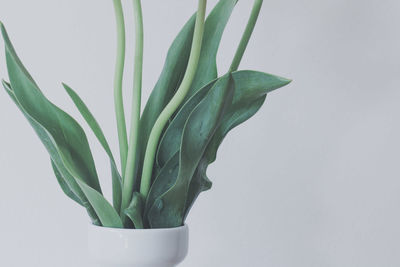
(5,84)
(66,87)
(285,81)
(3,29)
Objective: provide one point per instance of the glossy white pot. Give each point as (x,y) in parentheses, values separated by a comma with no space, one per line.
(109,247)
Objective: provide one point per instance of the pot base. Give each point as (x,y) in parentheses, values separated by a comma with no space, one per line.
(109,247)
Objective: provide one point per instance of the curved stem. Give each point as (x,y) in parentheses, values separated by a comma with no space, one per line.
(175,101)
(136,103)
(246,36)
(118,80)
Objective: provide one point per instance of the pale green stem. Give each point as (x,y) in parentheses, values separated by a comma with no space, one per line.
(118,80)
(246,36)
(136,102)
(175,102)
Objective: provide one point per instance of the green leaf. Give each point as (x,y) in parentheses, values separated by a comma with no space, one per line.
(64,185)
(107,214)
(171,141)
(214,28)
(200,183)
(176,63)
(168,82)
(199,129)
(164,180)
(251,89)
(93,124)
(135,210)
(69,137)
(48,142)
(71,154)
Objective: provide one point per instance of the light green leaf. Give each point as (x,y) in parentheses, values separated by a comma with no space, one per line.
(68,136)
(93,124)
(135,211)
(48,142)
(64,185)
(107,214)
(71,154)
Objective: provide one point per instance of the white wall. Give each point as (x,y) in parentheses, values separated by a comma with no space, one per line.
(311,181)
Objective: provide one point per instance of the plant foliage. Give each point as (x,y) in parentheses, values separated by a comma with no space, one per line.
(211,108)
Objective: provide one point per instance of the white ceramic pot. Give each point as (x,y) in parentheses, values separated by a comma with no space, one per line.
(110,247)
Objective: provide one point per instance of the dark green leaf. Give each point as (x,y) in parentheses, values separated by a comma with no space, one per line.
(171,140)
(165,179)
(169,209)
(93,124)
(251,89)
(200,183)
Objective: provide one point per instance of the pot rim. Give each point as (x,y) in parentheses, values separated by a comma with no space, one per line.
(185,226)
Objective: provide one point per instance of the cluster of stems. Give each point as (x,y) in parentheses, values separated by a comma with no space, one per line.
(128,150)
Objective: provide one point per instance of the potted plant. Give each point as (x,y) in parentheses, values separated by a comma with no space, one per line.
(165,155)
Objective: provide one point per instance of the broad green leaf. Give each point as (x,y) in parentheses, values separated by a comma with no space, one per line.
(176,63)
(49,144)
(107,214)
(251,89)
(171,141)
(169,209)
(69,137)
(93,124)
(135,211)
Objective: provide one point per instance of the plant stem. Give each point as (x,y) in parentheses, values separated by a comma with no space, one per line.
(246,36)
(136,103)
(175,102)
(118,80)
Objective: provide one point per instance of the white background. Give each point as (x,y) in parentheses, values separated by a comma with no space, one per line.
(311,181)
